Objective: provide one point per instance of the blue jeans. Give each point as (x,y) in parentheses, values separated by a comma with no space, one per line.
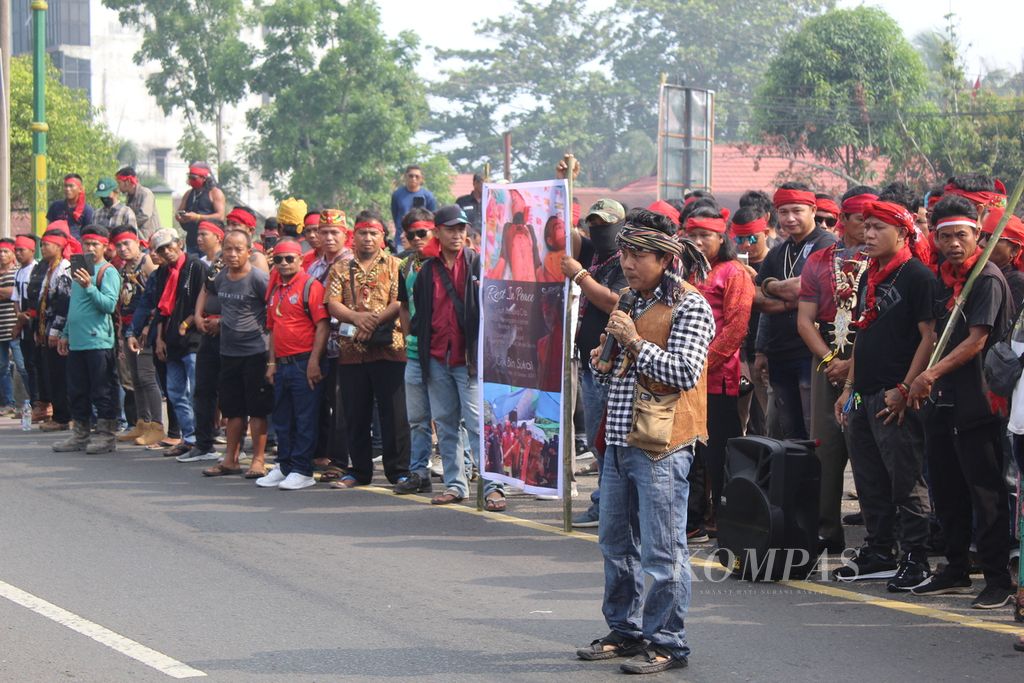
(791,386)
(12,350)
(417,409)
(643,499)
(595,398)
(453,397)
(296,417)
(181,386)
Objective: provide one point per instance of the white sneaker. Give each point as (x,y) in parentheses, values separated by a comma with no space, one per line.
(296,481)
(195,455)
(271,479)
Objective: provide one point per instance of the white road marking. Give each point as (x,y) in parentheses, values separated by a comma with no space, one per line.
(104,636)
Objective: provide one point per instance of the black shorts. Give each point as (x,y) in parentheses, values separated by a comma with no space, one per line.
(244,390)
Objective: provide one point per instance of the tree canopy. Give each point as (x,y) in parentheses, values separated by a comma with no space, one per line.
(77,142)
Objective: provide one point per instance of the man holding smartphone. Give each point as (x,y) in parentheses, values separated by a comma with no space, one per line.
(87,341)
(412,194)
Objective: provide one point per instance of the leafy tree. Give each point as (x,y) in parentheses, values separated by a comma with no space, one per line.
(540,80)
(722,45)
(838,89)
(345,103)
(203,61)
(77,142)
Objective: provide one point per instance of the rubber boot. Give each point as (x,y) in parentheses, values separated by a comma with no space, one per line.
(77,441)
(138,430)
(154,433)
(104,440)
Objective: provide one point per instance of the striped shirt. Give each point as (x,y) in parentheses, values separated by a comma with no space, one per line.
(680,365)
(7,316)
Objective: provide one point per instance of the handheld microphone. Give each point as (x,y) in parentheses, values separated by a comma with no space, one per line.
(626,301)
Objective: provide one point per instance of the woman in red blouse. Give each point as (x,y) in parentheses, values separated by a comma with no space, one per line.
(730,291)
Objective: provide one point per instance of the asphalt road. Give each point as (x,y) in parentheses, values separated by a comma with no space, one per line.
(245,584)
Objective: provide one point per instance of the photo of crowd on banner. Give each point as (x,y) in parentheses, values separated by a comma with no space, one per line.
(521,355)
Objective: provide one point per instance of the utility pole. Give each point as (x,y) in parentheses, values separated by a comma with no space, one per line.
(5,119)
(39,127)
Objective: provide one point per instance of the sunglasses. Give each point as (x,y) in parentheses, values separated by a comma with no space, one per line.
(289,258)
(419,234)
(827,220)
(745,239)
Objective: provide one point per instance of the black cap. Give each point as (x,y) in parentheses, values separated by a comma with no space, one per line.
(452,214)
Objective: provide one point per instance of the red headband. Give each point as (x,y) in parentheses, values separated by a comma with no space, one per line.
(856,203)
(122,236)
(199,171)
(9,246)
(429,225)
(312,219)
(783,197)
(60,225)
(23,242)
(128,179)
(59,240)
(369,225)
(982,197)
(891,214)
(242,217)
(949,221)
(713,224)
(933,199)
(213,228)
(754,227)
(665,209)
(828,206)
(287,247)
(93,237)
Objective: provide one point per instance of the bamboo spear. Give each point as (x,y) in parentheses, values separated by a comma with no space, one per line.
(947,332)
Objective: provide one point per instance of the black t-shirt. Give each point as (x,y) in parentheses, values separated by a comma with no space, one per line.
(786,261)
(884,350)
(471,206)
(594,320)
(750,343)
(1015,279)
(988,306)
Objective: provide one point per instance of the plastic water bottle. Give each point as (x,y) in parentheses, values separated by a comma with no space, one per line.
(26,416)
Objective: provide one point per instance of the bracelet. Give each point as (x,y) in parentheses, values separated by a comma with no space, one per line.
(636,345)
(764,285)
(848,384)
(581,274)
(904,390)
(271,365)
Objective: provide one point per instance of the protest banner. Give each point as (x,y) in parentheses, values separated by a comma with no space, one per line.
(523,318)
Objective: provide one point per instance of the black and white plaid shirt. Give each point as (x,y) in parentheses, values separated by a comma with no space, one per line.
(693,327)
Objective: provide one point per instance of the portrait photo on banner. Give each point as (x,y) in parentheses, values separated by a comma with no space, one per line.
(522,325)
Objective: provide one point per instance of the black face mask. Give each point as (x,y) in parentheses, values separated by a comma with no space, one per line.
(603,238)
(107,201)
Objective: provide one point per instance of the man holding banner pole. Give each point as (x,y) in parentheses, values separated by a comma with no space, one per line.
(662,341)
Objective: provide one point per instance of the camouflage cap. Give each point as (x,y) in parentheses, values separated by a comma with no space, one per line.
(608,210)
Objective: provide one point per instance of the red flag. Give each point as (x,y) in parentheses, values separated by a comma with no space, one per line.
(977,87)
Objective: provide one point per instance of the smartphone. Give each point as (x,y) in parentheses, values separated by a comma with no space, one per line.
(347,330)
(84,261)
(418,202)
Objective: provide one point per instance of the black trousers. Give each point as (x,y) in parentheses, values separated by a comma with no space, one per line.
(966,472)
(707,473)
(360,384)
(92,382)
(55,384)
(30,352)
(204,403)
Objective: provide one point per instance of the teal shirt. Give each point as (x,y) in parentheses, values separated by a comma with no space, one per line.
(90,323)
(411,267)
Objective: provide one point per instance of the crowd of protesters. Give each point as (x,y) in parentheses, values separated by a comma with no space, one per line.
(331,340)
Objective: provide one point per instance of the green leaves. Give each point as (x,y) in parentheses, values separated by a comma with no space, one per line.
(77,141)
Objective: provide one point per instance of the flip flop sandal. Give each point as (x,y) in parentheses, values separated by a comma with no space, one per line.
(221,471)
(445,499)
(495,504)
(332,474)
(254,474)
(346,482)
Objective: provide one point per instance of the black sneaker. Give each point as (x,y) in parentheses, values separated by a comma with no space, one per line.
(854,519)
(911,572)
(866,564)
(698,535)
(413,483)
(993,597)
(944,583)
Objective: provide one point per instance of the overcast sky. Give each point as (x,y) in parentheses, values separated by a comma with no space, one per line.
(992,31)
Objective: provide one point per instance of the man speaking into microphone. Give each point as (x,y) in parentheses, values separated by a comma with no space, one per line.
(657,411)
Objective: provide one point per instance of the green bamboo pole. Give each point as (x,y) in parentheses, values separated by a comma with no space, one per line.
(1011,204)
(39,127)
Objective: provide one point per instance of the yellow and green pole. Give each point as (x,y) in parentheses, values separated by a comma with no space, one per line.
(39,126)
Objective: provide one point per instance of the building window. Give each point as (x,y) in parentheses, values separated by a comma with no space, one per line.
(67,23)
(74,72)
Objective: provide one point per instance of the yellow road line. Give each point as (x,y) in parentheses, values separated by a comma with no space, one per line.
(809,586)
